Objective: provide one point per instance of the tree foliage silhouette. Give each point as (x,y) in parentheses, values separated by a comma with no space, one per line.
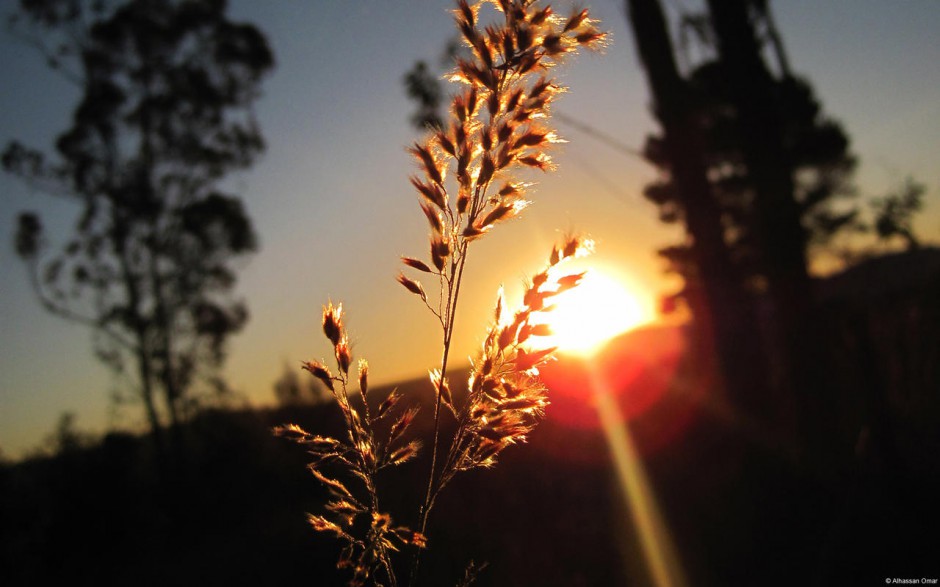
(894,213)
(165,114)
(424,86)
(424,89)
(776,174)
(815,147)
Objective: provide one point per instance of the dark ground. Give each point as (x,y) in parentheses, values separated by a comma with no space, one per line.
(233,513)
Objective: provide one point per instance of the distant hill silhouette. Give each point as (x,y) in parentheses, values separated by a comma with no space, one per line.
(873,278)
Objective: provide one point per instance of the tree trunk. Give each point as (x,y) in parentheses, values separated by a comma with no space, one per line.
(726,318)
(145,370)
(781,236)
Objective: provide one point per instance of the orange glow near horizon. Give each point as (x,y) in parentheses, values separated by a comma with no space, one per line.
(598,309)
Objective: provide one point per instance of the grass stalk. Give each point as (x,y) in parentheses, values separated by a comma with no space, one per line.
(498,125)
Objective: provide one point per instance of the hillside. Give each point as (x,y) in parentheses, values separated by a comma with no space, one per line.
(231,510)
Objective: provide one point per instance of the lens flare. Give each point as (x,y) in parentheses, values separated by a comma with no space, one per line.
(662,561)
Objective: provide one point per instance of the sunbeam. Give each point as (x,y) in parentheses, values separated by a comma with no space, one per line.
(658,549)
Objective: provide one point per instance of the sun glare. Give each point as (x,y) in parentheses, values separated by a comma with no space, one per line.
(598,309)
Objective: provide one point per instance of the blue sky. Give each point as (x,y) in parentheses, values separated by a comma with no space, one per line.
(333,208)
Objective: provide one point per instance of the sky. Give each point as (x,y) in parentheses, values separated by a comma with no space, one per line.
(331,202)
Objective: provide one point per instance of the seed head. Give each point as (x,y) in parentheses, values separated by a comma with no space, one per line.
(333,322)
(388,403)
(404,453)
(363,377)
(575,20)
(441,387)
(402,424)
(381,521)
(412,286)
(434,218)
(321,524)
(527,360)
(431,166)
(343,355)
(319,371)
(411,537)
(440,251)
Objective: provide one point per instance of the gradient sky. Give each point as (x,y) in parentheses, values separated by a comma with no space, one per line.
(333,208)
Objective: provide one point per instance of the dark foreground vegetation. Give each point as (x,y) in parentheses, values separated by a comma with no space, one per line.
(230,507)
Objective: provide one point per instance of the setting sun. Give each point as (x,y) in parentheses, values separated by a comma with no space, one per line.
(598,309)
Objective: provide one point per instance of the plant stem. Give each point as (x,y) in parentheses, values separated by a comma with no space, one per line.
(449,322)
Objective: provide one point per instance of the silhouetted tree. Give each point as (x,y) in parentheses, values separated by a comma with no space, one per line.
(778,172)
(894,213)
(165,114)
(722,310)
(423,86)
(66,438)
(779,232)
(817,147)
(289,391)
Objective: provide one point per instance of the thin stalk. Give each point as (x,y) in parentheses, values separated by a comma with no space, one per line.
(431,493)
(383,552)
(383,556)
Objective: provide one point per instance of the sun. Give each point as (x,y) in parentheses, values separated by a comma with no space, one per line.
(598,309)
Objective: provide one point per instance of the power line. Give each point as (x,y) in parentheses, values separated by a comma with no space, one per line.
(609,185)
(599,136)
